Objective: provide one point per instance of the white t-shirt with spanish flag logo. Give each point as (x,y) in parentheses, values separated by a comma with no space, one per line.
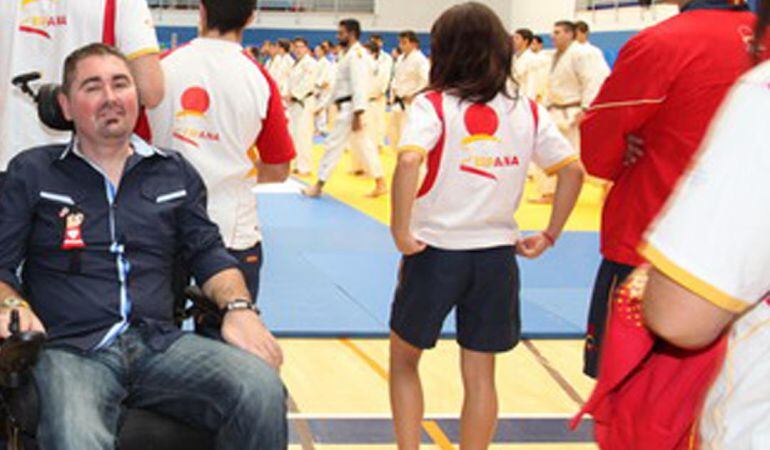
(37,35)
(219,104)
(477,159)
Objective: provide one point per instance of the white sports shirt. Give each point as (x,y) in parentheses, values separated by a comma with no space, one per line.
(477,159)
(220,103)
(714,239)
(37,35)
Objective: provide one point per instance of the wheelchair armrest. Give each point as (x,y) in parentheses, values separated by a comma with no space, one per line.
(18,354)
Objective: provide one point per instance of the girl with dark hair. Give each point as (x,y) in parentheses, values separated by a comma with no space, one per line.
(476,134)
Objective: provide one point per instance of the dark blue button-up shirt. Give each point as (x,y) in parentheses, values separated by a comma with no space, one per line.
(95,258)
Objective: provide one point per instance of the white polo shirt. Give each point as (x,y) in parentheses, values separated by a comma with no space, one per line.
(477,159)
(714,239)
(38,35)
(219,104)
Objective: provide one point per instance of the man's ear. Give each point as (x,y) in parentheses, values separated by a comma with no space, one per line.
(64,104)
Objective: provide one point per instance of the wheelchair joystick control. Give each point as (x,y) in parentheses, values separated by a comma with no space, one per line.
(15,326)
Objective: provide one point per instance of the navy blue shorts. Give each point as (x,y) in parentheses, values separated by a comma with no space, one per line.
(483,286)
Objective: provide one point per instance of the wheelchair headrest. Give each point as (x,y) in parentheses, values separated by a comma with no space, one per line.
(48,110)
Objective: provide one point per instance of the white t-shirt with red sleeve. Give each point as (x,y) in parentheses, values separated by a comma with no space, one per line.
(476,166)
(220,103)
(36,36)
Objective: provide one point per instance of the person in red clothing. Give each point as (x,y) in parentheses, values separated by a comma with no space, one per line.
(647,122)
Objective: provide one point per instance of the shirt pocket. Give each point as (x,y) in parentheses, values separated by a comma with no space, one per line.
(161,203)
(51,211)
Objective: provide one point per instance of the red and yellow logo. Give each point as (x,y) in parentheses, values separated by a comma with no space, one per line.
(481,145)
(39,23)
(195,103)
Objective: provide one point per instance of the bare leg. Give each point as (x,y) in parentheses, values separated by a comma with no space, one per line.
(406,398)
(479,416)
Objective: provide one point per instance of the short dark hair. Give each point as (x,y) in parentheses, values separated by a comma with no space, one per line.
(567,25)
(303,40)
(285,44)
(352,26)
(372,47)
(472,53)
(410,36)
(538,39)
(228,15)
(376,37)
(582,27)
(96,49)
(526,34)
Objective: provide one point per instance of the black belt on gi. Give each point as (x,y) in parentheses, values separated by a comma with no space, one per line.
(342,100)
(400,101)
(301,101)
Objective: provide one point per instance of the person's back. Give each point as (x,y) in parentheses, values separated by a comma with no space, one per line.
(691,82)
(456,230)
(661,95)
(214,115)
(478,166)
(36,36)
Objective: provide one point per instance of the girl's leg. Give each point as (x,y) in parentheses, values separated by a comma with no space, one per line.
(479,415)
(406,398)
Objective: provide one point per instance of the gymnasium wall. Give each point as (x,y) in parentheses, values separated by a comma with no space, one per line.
(611,28)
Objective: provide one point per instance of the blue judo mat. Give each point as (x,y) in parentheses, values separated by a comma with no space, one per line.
(330,271)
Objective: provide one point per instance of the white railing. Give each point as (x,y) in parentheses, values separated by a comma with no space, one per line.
(592,5)
(332,6)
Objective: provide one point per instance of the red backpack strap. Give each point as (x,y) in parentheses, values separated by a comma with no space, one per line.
(436,99)
(108,32)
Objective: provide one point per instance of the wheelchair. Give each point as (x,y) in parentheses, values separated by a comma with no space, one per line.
(140,429)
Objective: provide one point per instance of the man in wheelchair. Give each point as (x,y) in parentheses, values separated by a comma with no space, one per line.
(95,227)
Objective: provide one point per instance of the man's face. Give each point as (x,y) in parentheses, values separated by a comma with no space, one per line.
(405,45)
(519,43)
(343,36)
(581,37)
(561,38)
(536,46)
(300,49)
(102,100)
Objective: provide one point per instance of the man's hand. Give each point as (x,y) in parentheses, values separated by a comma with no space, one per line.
(245,330)
(532,246)
(358,121)
(634,150)
(579,117)
(28,321)
(408,245)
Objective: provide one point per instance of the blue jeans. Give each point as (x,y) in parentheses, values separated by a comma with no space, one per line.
(199,381)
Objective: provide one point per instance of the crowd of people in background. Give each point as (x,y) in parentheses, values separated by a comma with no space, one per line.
(485,106)
(565,80)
